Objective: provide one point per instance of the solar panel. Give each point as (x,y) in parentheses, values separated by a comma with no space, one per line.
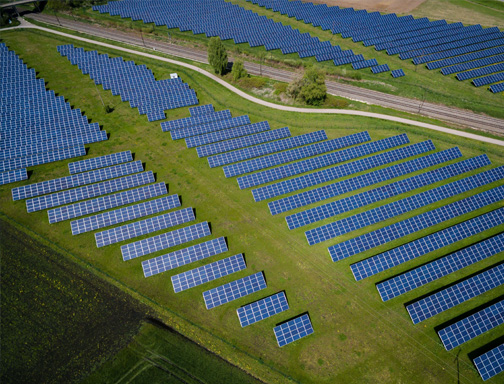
(456,294)
(100,162)
(413,224)
(143,227)
(490,363)
(242,142)
(201,110)
(262,309)
(42,158)
(319,162)
(293,330)
(55,185)
(295,154)
(384,192)
(426,273)
(165,240)
(265,149)
(234,290)
(329,174)
(184,256)
(106,202)
(13,176)
(209,272)
(88,191)
(182,133)
(471,326)
(168,126)
(122,215)
(226,134)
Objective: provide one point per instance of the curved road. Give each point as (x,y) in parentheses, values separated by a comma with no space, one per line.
(459,117)
(25,24)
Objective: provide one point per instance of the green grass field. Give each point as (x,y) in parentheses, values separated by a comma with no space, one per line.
(357,338)
(419,82)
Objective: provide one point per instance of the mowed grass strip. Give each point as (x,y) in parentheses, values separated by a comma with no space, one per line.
(357,337)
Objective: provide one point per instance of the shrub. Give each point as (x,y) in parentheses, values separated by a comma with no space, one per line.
(217,55)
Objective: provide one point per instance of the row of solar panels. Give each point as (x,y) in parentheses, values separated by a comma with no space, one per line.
(135,83)
(252,153)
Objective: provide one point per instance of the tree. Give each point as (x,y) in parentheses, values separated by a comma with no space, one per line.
(217,55)
(310,89)
(238,71)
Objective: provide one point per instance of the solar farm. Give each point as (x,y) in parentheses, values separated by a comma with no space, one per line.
(300,247)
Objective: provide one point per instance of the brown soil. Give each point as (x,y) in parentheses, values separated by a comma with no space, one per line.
(387,6)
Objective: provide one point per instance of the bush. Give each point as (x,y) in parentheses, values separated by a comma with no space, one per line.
(310,89)
(238,71)
(217,55)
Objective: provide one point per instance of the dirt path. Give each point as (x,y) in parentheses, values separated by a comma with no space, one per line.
(388,6)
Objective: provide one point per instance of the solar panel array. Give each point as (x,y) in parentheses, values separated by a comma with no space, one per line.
(265,149)
(209,272)
(106,202)
(297,153)
(234,290)
(166,240)
(121,215)
(226,134)
(319,162)
(332,173)
(55,185)
(184,256)
(262,309)
(88,191)
(471,326)
(168,126)
(100,162)
(293,330)
(36,126)
(381,193)
(424,245)
(436,269)
(143,227)
(456,294)
(425,220)
(134,83)
(242,142)
(490,363)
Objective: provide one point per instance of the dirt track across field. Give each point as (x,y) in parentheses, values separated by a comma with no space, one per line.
(388,6)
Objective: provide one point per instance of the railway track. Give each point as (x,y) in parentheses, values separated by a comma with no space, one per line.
(460,117)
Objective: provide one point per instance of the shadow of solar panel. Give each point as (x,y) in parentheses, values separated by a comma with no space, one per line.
(319,177)
(122,215)
(471,326)
(88,191)
(143,227)
(319,162)
(242,142)
(234,290)
(168,126)
(184,256)
(106,202)
(13,176)
(456,294)
(293,330)
(201,110)
(100,162)
(384,192)
(410,203)
(226,134)
(426,273)
(265,149)
(165,240)
(295,154)
(262,309)
(491,363)
(77,180)
(42,158)
(209,272)
(183,133)
(422,246)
